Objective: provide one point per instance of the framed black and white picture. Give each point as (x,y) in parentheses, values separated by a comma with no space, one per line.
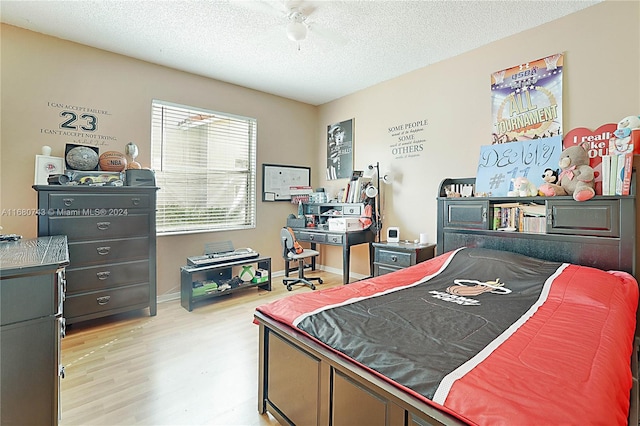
(340,150)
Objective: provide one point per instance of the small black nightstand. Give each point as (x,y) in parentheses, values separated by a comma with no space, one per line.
(391,257)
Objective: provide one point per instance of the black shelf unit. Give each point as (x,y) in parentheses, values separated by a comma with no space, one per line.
(220,272)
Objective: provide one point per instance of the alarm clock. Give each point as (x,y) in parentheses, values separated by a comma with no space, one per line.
(393,234)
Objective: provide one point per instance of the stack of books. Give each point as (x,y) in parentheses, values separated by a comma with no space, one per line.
(519,217)
(354,191)
(616,173)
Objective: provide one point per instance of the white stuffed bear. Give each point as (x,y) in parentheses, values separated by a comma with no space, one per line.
(523,187)
(621,142)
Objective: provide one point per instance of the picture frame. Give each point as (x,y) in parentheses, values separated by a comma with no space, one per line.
(46,165)
(340,138)
(277,181)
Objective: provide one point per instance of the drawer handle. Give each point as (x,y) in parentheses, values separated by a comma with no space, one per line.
(394,258)
(103,250)
(103,226)
(67,201)
(135,201)
(103,275)
(311,237)
(103,300)
(63,328)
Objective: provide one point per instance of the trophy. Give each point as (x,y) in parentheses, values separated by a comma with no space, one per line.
(131,150)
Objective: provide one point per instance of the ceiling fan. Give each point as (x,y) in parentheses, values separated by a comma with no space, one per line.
(296,15)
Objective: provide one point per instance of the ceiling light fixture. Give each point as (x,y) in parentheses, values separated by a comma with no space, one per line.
(296,31)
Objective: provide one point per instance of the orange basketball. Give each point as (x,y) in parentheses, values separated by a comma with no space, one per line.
(113,161)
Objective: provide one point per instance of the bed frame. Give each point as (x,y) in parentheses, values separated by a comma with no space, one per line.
(303,383)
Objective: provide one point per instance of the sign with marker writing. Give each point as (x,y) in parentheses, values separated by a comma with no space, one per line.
(500,163)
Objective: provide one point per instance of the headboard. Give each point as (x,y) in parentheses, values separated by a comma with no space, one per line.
(601,232)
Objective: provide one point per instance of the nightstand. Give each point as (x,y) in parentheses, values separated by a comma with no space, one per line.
(391,257)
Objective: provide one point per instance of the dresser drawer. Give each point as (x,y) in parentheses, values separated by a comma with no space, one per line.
(108,251)
(334,238)
(105,276)
(94,227)
(393,258)
(101,201)
(106,300)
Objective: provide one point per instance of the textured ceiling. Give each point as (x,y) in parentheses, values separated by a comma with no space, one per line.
(351,45)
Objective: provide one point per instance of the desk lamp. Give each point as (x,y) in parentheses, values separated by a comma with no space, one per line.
(374,193)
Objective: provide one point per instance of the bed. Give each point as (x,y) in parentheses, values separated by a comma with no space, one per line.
(499,328)
(473,336)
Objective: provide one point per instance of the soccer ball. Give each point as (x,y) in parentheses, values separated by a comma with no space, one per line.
(247,274)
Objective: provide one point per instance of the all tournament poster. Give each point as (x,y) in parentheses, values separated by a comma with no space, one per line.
(526,101)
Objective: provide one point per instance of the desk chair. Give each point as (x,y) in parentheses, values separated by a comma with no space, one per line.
(287,243)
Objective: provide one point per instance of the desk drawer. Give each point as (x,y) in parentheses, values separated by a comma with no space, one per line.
(393,258)
(105,276)
(106,300)
(98,227)
(355,209)
(102,201)
(312,237)
(334,238)
(108,251)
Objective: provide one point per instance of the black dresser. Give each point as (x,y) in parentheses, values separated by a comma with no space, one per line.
(31,326)
(112,246)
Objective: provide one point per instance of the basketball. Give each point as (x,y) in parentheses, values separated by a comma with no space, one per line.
(113,161)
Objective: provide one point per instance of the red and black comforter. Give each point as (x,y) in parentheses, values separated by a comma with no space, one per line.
(489,336)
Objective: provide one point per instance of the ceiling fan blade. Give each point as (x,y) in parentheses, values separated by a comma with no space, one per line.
(264,6)
(328,34)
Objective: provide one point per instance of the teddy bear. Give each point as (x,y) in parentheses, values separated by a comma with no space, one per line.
(621,142)
(523,187)
(576,176)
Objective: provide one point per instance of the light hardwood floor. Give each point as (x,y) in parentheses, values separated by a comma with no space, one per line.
(176,368)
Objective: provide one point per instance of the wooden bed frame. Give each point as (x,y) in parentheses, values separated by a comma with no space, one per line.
(303,383)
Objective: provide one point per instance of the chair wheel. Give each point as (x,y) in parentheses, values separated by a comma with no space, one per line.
(313,287)
(320,281)
(289,287)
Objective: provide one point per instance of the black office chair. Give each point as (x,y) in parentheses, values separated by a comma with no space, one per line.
(287,243)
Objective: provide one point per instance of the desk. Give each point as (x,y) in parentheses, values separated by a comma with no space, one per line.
(334,238)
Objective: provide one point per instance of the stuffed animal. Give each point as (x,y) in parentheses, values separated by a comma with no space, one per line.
(550,176)
(621,142)
(523,187)
(576,176)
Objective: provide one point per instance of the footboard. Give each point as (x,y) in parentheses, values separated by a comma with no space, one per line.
(303,383)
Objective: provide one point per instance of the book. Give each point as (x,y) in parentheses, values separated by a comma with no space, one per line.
(619,174)
(626,173)
(606,174)
(614,170)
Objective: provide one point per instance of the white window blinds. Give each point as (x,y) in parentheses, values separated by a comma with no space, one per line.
(205,166)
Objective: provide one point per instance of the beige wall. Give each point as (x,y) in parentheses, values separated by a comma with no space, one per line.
(38,70)
(601,85)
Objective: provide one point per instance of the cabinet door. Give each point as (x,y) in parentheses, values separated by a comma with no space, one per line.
(469,214)
(597,217)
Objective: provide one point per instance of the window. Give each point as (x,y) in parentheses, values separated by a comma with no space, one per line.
(205,166)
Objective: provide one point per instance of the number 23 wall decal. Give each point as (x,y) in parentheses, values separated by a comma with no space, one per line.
(86,122)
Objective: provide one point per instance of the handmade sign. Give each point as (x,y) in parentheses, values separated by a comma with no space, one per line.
(500,163)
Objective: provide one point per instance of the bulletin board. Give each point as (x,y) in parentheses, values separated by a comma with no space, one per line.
(277,179)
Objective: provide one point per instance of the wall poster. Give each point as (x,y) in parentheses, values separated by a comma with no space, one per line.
(340,150)
(526,101)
